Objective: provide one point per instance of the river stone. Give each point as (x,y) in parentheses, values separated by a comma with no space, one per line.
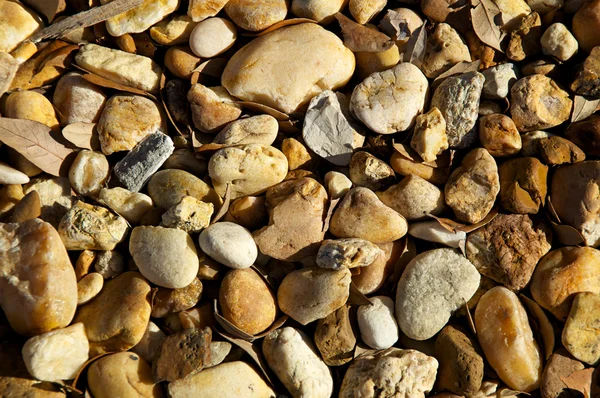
(189,215)
(434,285)
(88,287)
(55,197)
(369,171)
(538,103)
(38,288)
(499,135)
(167,257)
(167,301)
(390,373)
(78,100)
(335,337)
(362,215)
(457,97)
(376,101)
(131,205)
(507,340)
(586,80)
(559,42)
(181,354)
(212,108)
(346,253)
(30,105)
(10,176)
(18,23)
(295,228)
(212,37)
(322,11)
(168,187)
(337,184)
(414,198)
(260,70)
(560,364)
(116,319)
(581,334)
(249,212)
(313,293)
(499,80)
(523,186)
(364,10)
(472,188)
(429,138)
(378,327)
(123,374)
(140,18)
(89,172)
(432,231)
(255,15)
(259,129)
(445,48)
(150,343)
(225,380)
(129,69)
(173,30)
(586,23)
(218,240)
(293,358)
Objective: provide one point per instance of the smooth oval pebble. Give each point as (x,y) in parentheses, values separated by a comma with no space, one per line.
(88,287)
(10,176)
(230,244)
(212,37)
(378,327)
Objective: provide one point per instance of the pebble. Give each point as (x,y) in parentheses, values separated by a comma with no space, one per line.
(368,171)
(129,69)
(56,355)
(173,31)
(432,231)
(89,172)
(249,212)
(537,103)
(170,301)
(442,11)
(364,10)
(393,372)
(557,150)
(347,253)
(296,154)
(210,383)
(373,276)
(255,15)
(10,176)
(313,293)
(115,320)
(260,70)
(18,23)
(293,358)
(445,48)
(217,240)
(559,42)
(88,287)
(457,98)
(250,169)
(586,134)
(472,188)
(586,80)
(581,334)
(140,18)
(126,120)
(573,193)
(189,215)
(523,186)
(10,196)
(525,37)
(499,80)
(329,130)
(259,129)
(375,101)
(123,374)
(212,37)
(168,187)
(434,284)
(499,135)
(87,226)
(31,105)
(78,100)
(181,62)
(28,208)
(361,214)
(212,108)
(130,205)
(55,197)
(508,249)
(507,339)
(414,198)
(322,11)
(150,344)
(219,350)
(586,22)
(531,142)
(246,301)
(167,257)
(429,137)
(560,364)
(109,264)
(181,354)
(295,229)
(337,184)
(378,327)
(185,159)
(199,10)
(335,338)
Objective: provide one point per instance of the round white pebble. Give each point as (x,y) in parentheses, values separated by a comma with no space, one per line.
(559,42)
(378,327)
(230,244)
(212,37)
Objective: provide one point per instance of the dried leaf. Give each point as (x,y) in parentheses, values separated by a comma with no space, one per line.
(435,231)
(507,392)
(260,108)
(103,82)
(457,69)
(34,141)
(8,70)
(580,380)
(484,16)
(566,234)
(470,318)
(359,38)
(225,206)
(356,297)
(545,329)
(361,350)
(490,216)
(213,67)
(162,82)
(253,351)
(406,151)
(454,226)
(393,25)
(65,388)
(583,108)
(285,22)
(208,149)
(279,322)
(60,58)
(332,204)
(82,135)
(230,327)
(552,212)
(416,46)
(48,8)
(32,75)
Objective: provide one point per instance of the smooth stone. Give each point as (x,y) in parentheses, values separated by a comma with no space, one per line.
(581,334)
(88,287)
(586,22)
(414,198)
(10,196)
(429,138)
(347,253)
(181,62)
(55,197)
(212,37)
(337,184)
(109,264)
(199,10)
(218,239)
(499,135)
(139,18)
(322,11)
(185,159)
(38,288)
(169,301)
(378,327)
(432,231)
(296,154)
(293,358)
(150,343)
(249,212)
(260,70)
(523,186)
(368,63)
(335,338)
(259,129)
(168,187)
(181,354)
(78,100)
(364,10)
(131,70)
(376,100)
(434,285)
(499,80)
(531,142)
(212,108)
(445,48)
(31,105)
(255,15)
(373,276)
(189,215)
(56,355)
(559,42)
(362,215)
(27,209)
(173,31)
(131,205)
(219,350)
(116,319)
(10,176)
(507,339)
(370,172)
(313,293)
(557,150)
(89,172)
(559,365)
(18,23)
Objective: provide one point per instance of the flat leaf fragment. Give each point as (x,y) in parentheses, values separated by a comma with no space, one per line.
(395,26)
(483,17)
(416,46)
(583,108)
(82,135)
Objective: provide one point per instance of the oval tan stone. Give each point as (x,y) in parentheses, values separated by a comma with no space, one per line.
(18,23)
(261,70)
(168,187)
(31,105)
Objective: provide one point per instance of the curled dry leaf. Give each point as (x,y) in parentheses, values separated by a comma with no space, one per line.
(454,226)
(486,18)
(409,251)
(230,327)
(48,8)
(459,68)
(362,349)
(544,327)
(260,108)
(395,26)
(583,108)
(551,211)
(82,135)
(566,234)
(580,380)
(359,38)
(507,392)
(8,70)
(416,46)
(213,67)
(208,149)
(281,24)
(60,58)
(35,141)
(356,297)
(225,206)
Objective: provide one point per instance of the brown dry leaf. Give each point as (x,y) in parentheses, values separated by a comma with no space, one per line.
(260,108)
(580,380)
(290,127)
(8,71)
(82,135)
(253,351)
(31,75)
(490,216)
(552,212)
(486,18)
(60,58)
(406,151)
(48,8)
(80,372)
(416,46)
(332,204)
(409,251)
(279,322)
(450,225)
(361,350)
(395,26)
(455,226)
(507,392)
(285,22)
(34,141)
(583,108)
(208,149)
(230,327)
(225,206)
(163,81)
(545,328)
(566,234)
(103,82)
(359,38)
(213,67)
(459,68)
(356,297)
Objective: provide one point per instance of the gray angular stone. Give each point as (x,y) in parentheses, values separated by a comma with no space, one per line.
(498,81)
(457,98)
(136,168)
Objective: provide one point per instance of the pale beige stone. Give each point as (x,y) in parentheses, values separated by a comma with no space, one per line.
(88,173)
(168,187)
(337,184)
(10,176)
(364,10)
(296,153)
(259,129)
(512,12)
(322,11)
(199,10)
(429,138)
(78,100)
(189,215)
(212,107)
(369,171)
(212,37)
(55,197)
(88,287)
(255,15)
(130,205)
(172,31)
(150,344)
(581,334)
(445,48)
(347,253)
(17,23)
(141,17)
(559,42)
(414,198)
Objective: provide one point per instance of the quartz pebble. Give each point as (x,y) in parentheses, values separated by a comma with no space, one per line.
(337,184)
(373,276)
(378,327)
(429,138)
(78,100)
(364,10)
(346,253)
(414,198)
(525,37)
(444,48)
(296,154)
(89,172)
(88,287)
(189,215)
(18,23)
(432,231)
(139,18)
(168,187)
(557,150)
(559,42)
(259,129)
(498,81)
(8,175)
(499,135)
(335,337)
(256,15)
(212,37)
(31,105)
(172,31)
(181,62)
(368,171)
(28,208)
(55,197)
(130,205)
(218,239)
(581,334)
